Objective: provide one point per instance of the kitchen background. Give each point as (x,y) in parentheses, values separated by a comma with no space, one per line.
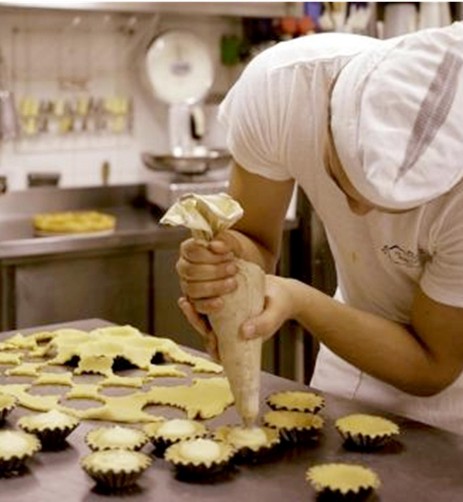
(86,113)
(81,89)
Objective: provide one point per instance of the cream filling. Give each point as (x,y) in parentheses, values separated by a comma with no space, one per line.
(200,450)
(51,418)
(120,435)
(252,436)
(12,443)
(177,426)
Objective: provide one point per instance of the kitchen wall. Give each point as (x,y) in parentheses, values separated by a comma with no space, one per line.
(59,56)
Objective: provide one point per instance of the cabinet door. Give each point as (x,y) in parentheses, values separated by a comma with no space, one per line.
(113,287)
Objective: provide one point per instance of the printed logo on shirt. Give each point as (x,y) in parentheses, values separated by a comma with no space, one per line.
(401,256)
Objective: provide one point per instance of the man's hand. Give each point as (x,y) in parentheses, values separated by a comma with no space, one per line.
(206,271)
(277,310)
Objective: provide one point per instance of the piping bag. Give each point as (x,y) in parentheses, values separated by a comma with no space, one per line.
(206,216)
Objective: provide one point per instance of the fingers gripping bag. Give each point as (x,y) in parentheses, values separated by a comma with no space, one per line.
(206,216)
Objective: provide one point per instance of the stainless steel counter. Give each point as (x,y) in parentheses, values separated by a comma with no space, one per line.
(127,277)
(136,221)
(424,465)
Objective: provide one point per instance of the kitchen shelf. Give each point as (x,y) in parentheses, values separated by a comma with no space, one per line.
(238,9)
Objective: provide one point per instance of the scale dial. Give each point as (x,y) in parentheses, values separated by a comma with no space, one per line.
(179,67)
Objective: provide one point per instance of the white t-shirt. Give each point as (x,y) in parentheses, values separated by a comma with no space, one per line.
(275,116)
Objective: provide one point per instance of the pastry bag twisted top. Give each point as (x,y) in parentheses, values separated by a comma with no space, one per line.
(206,216)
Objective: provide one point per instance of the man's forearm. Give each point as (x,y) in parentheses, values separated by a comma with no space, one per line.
(382,348)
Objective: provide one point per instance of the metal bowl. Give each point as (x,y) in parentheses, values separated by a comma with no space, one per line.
(194,164)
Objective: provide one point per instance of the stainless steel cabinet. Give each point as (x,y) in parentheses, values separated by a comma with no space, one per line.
(116,286)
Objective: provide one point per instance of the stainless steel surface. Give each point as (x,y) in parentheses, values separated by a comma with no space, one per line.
(164,188)
(113,285)
(423,465)
(187,164)
(126,277)
(234,9)
(136,225)
(53,279)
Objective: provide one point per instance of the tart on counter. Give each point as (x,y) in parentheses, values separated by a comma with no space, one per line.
(73,222)
(7,405)
(165,433)
(195,459)
(252,444)
(16,447)
(116,437)
(295,427)
(296,401)
(52,427)
(342,482)
(115,469)
(366,432)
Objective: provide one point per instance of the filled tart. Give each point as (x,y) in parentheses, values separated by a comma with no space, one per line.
(165,433)
(52,427)
(196,458)
(252,444)
(16,447)
(116,437)
(115,469)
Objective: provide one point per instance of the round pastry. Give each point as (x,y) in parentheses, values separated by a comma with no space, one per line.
(342,482)
(296,401)
(7,405)
(164,434)
(73,222)
(115,469)
(366,432)
(52,427)
(196,458)
(15,448)
(295,427)
(252,444)
(116,437)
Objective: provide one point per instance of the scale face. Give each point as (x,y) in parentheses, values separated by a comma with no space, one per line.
(179,67)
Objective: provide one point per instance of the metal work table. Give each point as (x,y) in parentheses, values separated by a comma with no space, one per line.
(423,465)
(136,223)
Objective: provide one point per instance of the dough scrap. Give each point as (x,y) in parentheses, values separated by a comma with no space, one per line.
(96,352)
(25,369)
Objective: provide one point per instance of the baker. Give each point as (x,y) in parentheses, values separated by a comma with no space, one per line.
(372,132)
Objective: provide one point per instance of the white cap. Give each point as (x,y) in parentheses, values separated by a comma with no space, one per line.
(397,118)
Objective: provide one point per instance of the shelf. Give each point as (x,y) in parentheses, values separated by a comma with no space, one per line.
(238,9)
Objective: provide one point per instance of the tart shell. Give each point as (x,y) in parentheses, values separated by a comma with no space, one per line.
(162,440)
(366,432)
(11,461)
(112,438)
(250,453)
(296,401)
(295,427)
(51,434)
(7,405)
(104,467)
(194,470)
(342,482)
